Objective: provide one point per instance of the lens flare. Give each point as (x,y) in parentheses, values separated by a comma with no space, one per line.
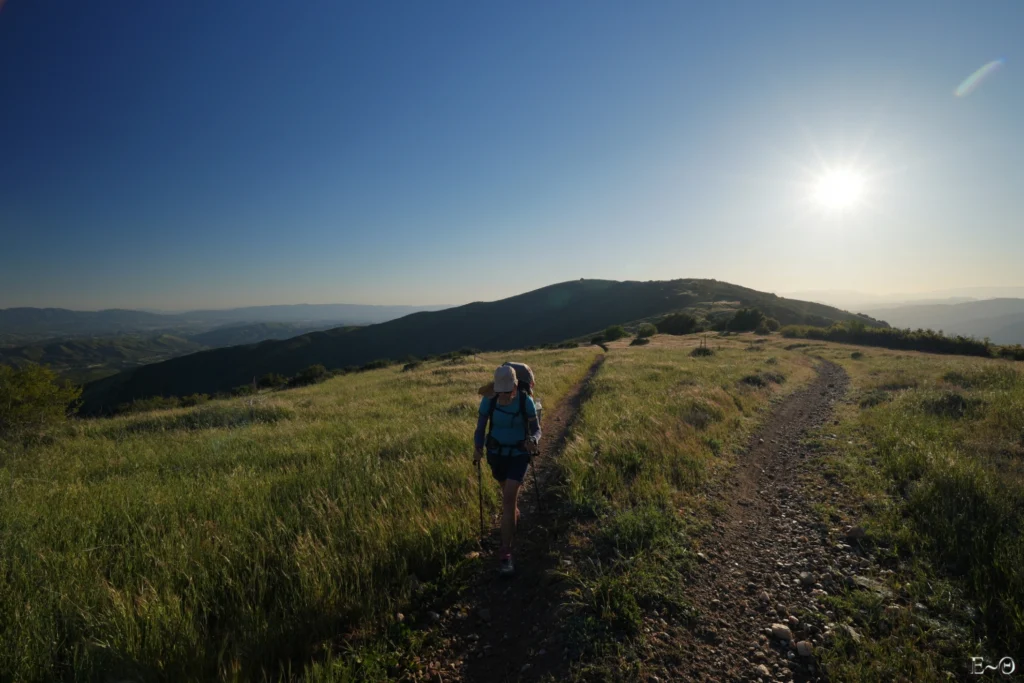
(972,82)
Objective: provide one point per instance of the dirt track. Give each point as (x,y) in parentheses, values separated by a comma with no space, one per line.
(495,628)
(766,562)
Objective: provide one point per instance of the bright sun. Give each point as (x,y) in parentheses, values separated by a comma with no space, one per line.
(839,189)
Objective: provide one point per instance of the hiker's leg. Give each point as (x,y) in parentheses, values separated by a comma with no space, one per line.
(510,504)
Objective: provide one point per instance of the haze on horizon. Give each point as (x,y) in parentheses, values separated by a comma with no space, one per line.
(210,155)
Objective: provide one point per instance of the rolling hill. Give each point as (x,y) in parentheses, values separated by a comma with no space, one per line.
(558,312)
(86,359)
(1001,320)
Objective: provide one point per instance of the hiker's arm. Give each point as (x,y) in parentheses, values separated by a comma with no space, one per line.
(532,423)
(534,430)
(481,427)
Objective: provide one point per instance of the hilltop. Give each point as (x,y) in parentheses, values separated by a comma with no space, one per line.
(564,311)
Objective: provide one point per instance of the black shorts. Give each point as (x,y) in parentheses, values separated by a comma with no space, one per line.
(508,466)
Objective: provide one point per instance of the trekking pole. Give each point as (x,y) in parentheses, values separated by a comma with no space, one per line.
(536,485)
(480,491)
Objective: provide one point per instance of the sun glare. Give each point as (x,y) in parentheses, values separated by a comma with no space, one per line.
(839,189)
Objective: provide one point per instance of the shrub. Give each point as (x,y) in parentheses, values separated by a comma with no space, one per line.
(640,341)
(311,375)
(745,320)
(646,330)
(567,345)
(856,355)
(702,351)
(243,390)
(951,404)
(1015,352)
(678,323)
(194,400)
(874,398)
(700,413)
(411,365)
(598,340)
(271,380)
(855,332)
(762,379)
(144,405)
(376,365)
(32,400)
(615,332)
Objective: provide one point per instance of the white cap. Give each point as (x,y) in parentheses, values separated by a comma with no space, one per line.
(504,379)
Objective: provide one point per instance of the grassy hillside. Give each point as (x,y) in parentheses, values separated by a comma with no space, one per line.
(88,359)
(551,314)
(222,542)
(931,447)
(249,537)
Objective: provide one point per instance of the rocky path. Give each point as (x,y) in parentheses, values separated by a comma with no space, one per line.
(769,559)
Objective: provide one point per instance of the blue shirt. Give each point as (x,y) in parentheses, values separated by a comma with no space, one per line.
(508,425)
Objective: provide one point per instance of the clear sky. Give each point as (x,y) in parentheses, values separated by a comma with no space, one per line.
(199,154)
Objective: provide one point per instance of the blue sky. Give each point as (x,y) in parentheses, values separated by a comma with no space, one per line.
(213,154)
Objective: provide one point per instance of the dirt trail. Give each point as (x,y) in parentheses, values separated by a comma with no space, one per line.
(766,561)
(768,558)
(494,630)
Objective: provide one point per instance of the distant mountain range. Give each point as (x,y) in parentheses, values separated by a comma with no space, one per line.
(863,301)
(569,310)
(1001,320)
(84,359)
(25,325)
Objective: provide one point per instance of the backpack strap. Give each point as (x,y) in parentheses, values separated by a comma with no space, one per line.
(490,413)
(522,414)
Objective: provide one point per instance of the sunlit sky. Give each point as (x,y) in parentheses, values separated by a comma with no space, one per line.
(210,154)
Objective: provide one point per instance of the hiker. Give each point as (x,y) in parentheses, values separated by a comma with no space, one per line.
(512,438)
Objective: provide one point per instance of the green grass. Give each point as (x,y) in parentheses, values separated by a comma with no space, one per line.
(238,539)
(936,465)
(659,425)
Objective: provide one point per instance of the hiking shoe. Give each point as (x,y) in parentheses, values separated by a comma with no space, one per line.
(505,566)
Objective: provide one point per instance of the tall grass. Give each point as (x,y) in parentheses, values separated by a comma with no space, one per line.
(228,541)
(945,441)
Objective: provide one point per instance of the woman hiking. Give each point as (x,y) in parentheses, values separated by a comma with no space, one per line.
(513,437)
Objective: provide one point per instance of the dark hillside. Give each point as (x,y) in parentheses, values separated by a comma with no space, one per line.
(550,314)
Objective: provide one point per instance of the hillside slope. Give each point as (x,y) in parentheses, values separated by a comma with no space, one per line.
(550,314)
(1001,320)
(86,359)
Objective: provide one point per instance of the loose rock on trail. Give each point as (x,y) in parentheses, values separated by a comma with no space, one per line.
(768,558)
